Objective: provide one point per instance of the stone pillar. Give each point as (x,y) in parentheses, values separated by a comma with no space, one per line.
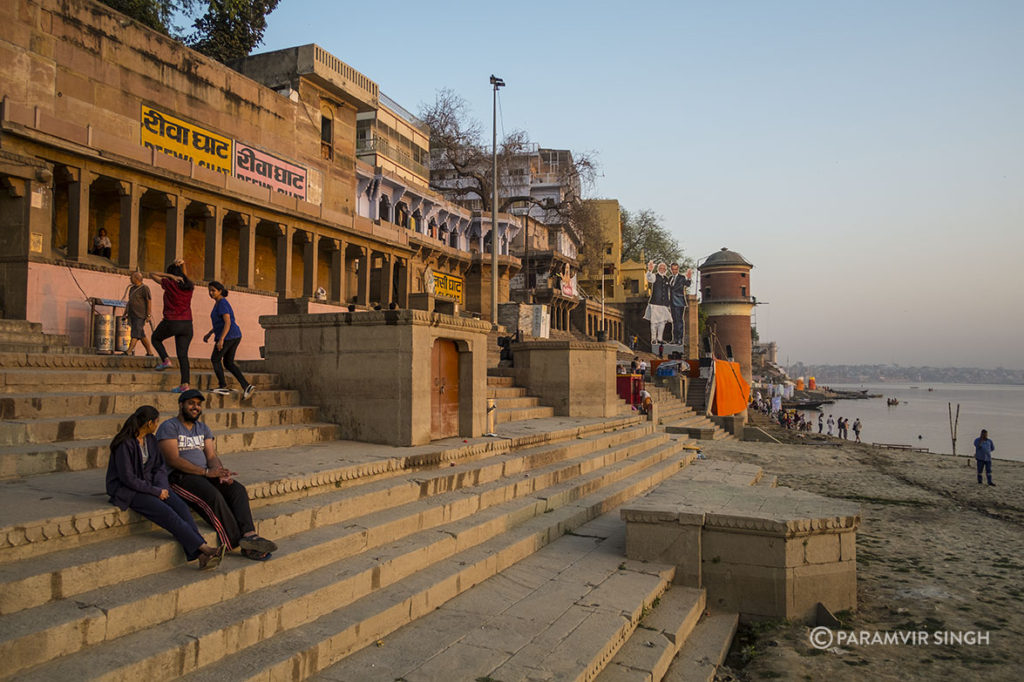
(403,283)
(128,237)
(247,250)
(284,259)
(365,261)
(214,220)
(78,213)
(336,287)
(175,240)
(309,263)
(387,284)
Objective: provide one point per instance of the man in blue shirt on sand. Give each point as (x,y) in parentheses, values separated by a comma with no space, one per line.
(983,448)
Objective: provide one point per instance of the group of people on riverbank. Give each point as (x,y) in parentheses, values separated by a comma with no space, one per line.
(842,426)
(177,324)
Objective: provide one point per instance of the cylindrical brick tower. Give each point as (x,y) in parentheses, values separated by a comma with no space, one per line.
(725,296)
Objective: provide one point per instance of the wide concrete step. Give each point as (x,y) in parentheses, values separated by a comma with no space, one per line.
(84,359)
(500,381)
(501,392)
(61,429)
(40,579)
(516,403)
(313,588)
(521,413)
(705,649)
(652,647)
(558,614)
(78,455)
(73,404)
(30,381)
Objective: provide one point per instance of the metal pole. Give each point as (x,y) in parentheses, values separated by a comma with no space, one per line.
(497,83)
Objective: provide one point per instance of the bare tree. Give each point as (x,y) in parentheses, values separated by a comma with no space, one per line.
(461,160)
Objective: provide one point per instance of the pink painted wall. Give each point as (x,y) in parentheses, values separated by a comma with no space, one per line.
(59,305)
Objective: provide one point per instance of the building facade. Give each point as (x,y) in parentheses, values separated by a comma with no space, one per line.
(288,176)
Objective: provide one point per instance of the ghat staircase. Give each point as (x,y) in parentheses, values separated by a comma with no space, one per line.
(491,558)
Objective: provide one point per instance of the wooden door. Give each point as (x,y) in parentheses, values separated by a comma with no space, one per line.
(444,389)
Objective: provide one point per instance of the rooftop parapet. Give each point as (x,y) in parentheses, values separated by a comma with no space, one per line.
(283,67)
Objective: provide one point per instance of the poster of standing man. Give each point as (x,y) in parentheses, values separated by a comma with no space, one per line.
(678,285)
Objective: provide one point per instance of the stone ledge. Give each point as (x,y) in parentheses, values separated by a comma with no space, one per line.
(372,318)
(765,552)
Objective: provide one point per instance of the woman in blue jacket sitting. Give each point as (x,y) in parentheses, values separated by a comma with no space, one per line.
(137,480)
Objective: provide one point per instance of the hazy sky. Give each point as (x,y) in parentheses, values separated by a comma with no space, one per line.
(866,156)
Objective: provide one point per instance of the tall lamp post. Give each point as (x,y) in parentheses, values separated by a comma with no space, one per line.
(497,83)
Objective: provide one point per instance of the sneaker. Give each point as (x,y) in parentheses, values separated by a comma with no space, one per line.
(247,393)
(991,483)
(166,364)
(222,391)
(254,543)
(180,389)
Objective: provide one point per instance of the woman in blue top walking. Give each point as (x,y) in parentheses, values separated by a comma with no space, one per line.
(228,336)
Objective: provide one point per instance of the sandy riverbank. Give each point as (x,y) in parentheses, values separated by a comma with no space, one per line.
(936,552)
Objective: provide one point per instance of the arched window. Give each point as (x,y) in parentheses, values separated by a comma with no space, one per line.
(385,209)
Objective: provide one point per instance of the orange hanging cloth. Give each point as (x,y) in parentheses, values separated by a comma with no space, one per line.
(732,392)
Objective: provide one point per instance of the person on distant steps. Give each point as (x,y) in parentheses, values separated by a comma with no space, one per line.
(137,480)
(204,483)
(177,320)
(983,448)
(228,336)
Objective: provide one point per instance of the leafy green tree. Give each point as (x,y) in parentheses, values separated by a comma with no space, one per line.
(231,29)
(221,29)
(644,238)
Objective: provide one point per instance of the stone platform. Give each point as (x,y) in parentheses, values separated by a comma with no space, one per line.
(764,551)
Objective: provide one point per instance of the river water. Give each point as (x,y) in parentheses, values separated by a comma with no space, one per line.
(922,417)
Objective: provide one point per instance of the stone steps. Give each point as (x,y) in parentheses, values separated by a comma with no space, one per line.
(505,392)
(18,406)
(114,609)
(57,429)
(65,456)
(58,419)
(520,413)
(32,582)
(559,614)
(299,653)
(653,646)
(22,381)
(470,545)
(705,649)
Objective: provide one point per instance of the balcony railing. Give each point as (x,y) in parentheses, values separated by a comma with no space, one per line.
(379,145)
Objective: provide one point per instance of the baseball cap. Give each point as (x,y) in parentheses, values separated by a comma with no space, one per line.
(189,394)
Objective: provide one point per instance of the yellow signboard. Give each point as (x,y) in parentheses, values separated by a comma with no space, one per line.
(175,137)
(449,286)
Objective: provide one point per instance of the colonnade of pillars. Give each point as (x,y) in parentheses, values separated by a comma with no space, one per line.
(347,271)
(613,326)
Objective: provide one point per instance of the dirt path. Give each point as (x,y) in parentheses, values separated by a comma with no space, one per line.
(937,554)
